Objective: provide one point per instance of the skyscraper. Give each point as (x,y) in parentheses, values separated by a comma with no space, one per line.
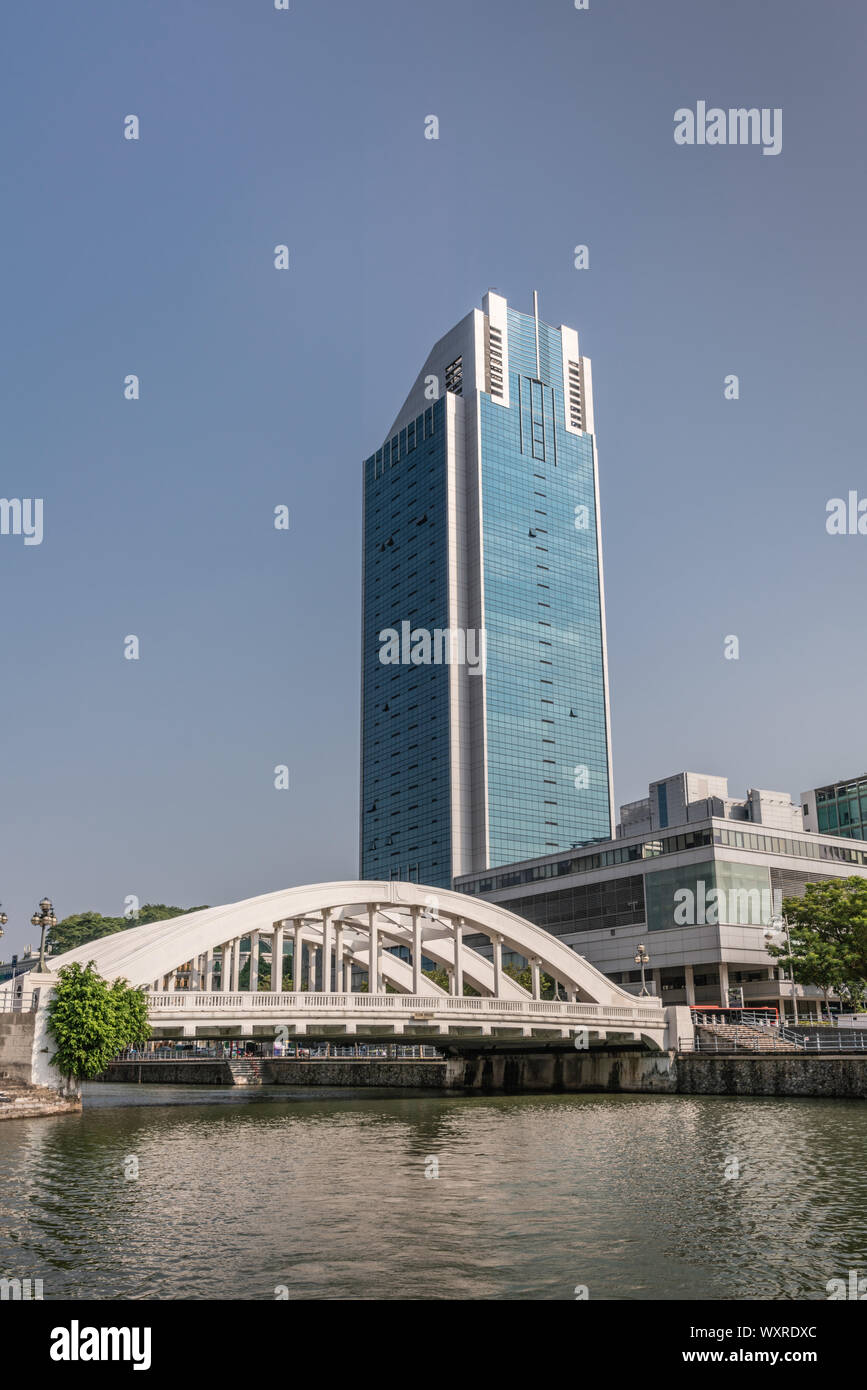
(485,722)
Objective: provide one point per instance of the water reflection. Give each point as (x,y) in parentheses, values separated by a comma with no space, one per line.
(326,1193)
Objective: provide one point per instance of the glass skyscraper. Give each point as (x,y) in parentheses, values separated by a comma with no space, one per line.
(485,722)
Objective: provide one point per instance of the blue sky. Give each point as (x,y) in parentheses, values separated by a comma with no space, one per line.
(155,777)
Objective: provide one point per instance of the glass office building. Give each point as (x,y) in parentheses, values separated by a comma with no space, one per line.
(485,725)
(838,809)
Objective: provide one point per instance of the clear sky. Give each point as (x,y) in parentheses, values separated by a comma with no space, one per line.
(155,777)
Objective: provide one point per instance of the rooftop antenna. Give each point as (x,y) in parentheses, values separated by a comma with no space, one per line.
(536,317)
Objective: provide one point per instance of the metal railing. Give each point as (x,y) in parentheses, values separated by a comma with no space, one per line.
(287,1052)
(17,996)
(825,1041)
(786,1037)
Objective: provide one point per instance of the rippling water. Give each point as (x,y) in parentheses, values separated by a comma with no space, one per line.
(325,1192)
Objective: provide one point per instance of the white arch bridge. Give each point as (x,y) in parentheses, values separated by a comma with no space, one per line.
(358,952)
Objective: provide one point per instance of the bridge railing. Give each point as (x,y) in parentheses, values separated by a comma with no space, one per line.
(263,1001)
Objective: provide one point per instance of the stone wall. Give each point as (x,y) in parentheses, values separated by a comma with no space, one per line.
(285,1071)
(780,1074)
(17,1032)
(562,1070)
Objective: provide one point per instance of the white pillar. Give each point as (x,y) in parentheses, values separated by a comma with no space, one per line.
(225,967)
(724,983)
(173,984)
(254,961)
(459,957)
(373,977)
(312,965)
(416,949)
(689,981)
(535,977)
(297,948)
(339,981)
(277,959)
(236,963)
(497,944)
(327,932)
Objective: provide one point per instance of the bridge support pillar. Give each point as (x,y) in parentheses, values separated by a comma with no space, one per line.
(535,977)
(254,961)
(459,957)
(277,959)
(415,913)
(326,950)
(297,956)
(497,945)
(374,980)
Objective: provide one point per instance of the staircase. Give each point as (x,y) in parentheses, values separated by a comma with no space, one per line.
(246,1071)
(740,1037)
(19,1101)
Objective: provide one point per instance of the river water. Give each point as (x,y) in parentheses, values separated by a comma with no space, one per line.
(325,1194)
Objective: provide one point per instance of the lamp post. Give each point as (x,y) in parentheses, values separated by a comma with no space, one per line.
(43,917)
(3,920)
(642,959)
(779,926)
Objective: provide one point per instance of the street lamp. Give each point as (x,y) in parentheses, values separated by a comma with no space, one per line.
(3,920)
(43,917)
(779,926)
(642,959)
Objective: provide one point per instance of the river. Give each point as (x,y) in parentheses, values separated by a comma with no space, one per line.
(186,1193)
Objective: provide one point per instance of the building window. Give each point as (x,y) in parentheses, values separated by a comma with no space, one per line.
(455,376)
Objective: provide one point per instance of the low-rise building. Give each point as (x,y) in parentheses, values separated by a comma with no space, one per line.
(693,875)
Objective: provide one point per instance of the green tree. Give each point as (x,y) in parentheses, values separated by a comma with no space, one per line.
(91,1021)
(837,910)
(828,933)
(524,978)
(441,978)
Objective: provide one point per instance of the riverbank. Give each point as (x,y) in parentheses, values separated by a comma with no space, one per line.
(513,1073)
(19,1102)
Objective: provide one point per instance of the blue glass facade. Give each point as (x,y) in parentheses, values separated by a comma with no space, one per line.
(406,806)
(547,746)
(480,514)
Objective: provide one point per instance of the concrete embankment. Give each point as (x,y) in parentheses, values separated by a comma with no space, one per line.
(514,1073)
(612,1070)
(20,1098)
(279,1071)
(784,1074)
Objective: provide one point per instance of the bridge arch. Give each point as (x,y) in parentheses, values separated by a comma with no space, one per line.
(351,923)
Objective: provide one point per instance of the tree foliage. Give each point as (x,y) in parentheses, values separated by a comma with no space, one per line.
(91,1021)
(524,978)
(828,932)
